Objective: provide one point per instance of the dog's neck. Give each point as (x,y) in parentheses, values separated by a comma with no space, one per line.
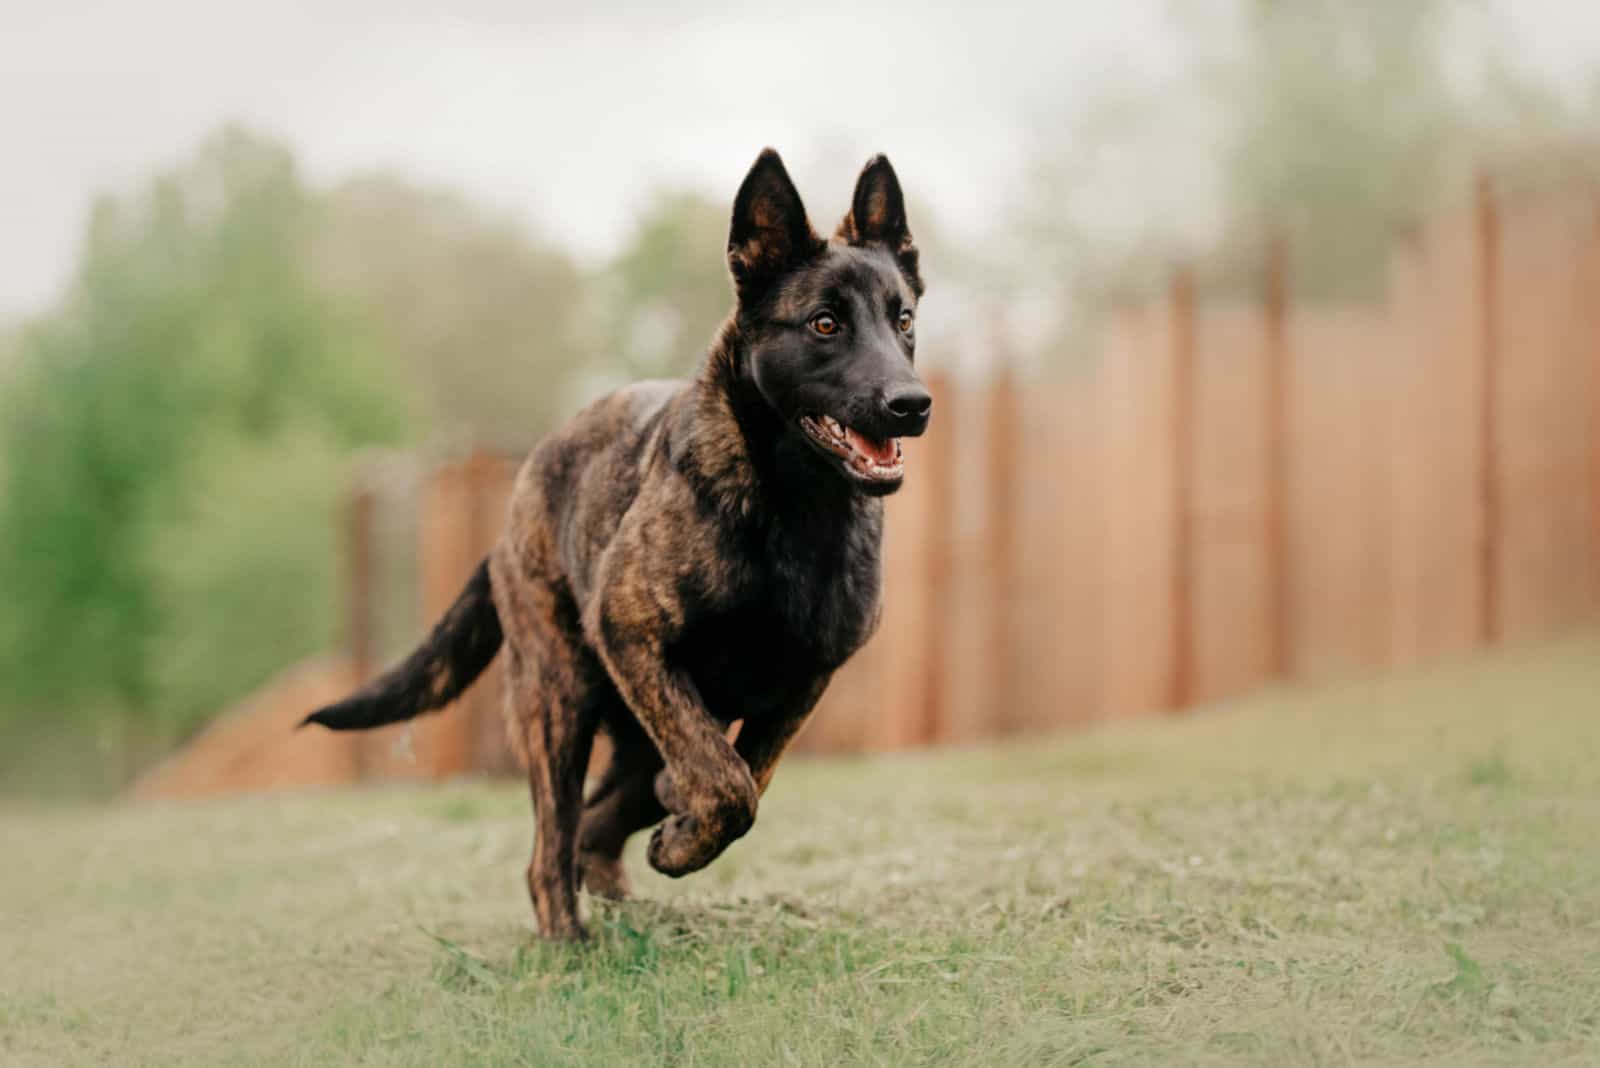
(739,453)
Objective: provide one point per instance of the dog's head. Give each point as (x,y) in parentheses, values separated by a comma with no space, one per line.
(829,327)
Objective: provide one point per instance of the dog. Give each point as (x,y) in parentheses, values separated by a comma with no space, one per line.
(688,554)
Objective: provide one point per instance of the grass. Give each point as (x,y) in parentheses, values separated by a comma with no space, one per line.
(1397,872)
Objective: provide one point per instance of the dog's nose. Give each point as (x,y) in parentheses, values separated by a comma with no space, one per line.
(909,407)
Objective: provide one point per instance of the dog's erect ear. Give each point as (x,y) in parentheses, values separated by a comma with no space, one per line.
(770,231)
(878,208)
(878,217)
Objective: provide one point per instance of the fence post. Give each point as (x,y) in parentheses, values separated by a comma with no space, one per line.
(1000,545)
(444,743)
(1181,310)
(485,496)
(1594,389)
(1280,606)
(358,609)
(938,462)
(1488,295)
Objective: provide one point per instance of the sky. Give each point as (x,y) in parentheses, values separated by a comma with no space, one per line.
(567,117)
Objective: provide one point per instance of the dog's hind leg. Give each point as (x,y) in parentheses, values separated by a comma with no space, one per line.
(623,802)
(557,736)
(554,690)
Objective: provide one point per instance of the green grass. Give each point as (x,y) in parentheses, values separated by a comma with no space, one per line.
(1396,872)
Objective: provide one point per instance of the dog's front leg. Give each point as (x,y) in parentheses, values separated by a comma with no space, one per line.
(762,742)
(714,795)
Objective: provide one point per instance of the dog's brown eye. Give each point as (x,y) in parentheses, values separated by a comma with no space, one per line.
(825,324)
(905,322)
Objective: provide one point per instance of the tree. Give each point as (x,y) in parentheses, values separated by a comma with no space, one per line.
(191,362)
(488,323)
(1341,119)
(668,290)
(1331,122)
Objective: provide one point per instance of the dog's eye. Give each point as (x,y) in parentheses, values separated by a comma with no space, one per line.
(905,321)
(825,324)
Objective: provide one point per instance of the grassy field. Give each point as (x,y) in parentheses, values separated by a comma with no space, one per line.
(1399,872)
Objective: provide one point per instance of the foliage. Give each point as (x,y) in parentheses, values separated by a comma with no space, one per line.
(1343,119)
(668,291)
(485,321)
(175,438)
(193,361)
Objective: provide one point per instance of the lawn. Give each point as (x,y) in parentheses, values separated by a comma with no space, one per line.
(1395,872)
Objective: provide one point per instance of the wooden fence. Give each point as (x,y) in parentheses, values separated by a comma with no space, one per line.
(1235,492)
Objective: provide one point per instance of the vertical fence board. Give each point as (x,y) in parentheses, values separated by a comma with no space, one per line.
(1399,398)
(1589,302)
(1182,445)
(443,742)
(1139,520)
(1280,408)
(359,606)
(1001,487)
(970,608)
(1448,408)
(1338,456)
(1231,614)
(1058,601)
(489,478)
(1487,303)
(1544,566)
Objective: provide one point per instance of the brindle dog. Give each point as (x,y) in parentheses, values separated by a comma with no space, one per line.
(687,554)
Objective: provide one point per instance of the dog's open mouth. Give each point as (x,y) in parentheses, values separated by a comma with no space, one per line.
(866,458)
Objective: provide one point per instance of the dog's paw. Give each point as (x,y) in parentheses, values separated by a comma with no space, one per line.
(680,846)
(684,844)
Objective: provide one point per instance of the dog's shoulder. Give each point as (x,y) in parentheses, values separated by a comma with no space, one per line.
(580,479)
(609,433)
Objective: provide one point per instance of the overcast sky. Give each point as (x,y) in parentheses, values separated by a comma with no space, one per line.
(569,119)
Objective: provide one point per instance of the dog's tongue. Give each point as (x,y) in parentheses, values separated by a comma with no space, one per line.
(881,452)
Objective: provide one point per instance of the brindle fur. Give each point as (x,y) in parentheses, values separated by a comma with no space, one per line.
(681,556)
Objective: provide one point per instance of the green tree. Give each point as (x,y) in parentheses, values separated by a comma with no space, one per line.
(1340,120)
(192,356)
(667,291)
(486,321)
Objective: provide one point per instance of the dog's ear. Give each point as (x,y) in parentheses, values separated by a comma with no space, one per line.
(877,216)
(770,231)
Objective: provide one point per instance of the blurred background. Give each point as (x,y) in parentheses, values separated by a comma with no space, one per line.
(1264,334)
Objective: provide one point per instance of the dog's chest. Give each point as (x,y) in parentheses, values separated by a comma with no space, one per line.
(802,608)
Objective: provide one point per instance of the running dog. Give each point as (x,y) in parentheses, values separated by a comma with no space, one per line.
(687,554)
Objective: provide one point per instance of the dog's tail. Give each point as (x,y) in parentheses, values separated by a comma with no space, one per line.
(437,671)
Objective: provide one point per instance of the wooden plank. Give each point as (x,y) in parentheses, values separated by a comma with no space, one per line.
(1278,396)
(1181,311)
